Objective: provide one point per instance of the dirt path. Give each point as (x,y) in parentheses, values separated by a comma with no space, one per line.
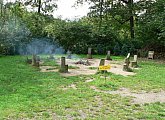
(138,98)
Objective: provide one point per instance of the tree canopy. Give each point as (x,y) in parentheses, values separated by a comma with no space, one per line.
(118,25)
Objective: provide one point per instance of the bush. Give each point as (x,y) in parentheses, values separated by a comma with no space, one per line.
(116,49)
(124,50)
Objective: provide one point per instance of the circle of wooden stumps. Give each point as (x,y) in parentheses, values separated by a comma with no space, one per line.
(63,68)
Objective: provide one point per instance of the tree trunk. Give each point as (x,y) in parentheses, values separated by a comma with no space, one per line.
(131,19)
(39,6)
(101,12)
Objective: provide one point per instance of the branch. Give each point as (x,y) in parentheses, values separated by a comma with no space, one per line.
(125,1)
(121,22)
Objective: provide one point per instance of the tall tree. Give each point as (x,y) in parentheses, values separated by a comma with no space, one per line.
(43,6)
(121,11)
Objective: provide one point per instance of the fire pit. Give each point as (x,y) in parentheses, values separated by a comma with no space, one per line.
(83,62)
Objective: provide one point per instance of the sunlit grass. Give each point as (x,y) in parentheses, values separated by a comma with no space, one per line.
(26,93)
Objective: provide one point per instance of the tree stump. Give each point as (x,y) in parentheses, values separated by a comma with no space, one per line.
(125,67)
(134,62)
(34,61)
(126,64)
(63,67)
(37,64)
(102,63)
(89,55)
(108,57)
(29,61)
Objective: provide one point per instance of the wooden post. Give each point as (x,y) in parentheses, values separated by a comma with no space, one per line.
(62,61)
(126,64)
(108,57)
(89,55)
(63,67)
(134,62)
(33,60)
(102,63)
(29,61)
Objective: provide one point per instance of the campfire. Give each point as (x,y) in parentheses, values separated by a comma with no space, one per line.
(83,62)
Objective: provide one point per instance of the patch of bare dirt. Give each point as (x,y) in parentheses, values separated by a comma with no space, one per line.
(138,98)
(116,68)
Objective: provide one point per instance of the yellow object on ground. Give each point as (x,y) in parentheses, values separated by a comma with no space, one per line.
(106,67)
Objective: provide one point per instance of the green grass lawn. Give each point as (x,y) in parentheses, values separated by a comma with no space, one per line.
(26,93)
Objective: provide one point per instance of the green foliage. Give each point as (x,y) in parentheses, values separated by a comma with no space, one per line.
(150,30)
(124,50)
(108,23)
(117,49)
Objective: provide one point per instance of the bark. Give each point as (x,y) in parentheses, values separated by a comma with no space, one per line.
(131,19)
(39,6)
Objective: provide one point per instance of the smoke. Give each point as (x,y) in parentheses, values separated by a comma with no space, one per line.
(17,37)
(41,46)
(13,33)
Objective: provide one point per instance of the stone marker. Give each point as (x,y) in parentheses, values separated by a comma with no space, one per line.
(126,64)
(63,67)
(134,62)
(89,55)
(150,54)
(108,57)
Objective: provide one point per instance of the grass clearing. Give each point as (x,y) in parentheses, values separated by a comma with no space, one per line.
(26,93)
